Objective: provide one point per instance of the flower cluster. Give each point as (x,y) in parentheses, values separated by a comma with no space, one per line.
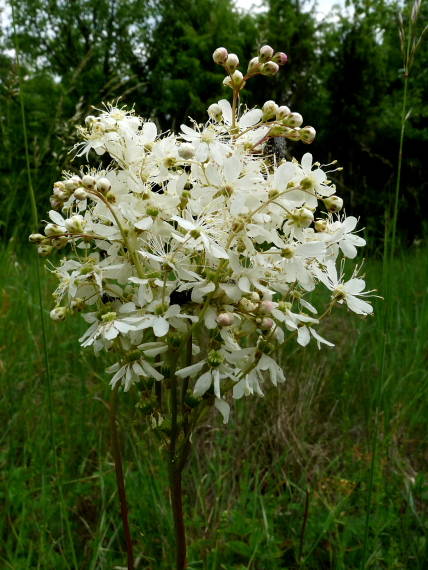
(195,255)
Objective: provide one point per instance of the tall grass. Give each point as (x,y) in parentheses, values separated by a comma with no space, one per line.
(308,443)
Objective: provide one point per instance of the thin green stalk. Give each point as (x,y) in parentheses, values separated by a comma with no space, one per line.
(399,164)
(35,223)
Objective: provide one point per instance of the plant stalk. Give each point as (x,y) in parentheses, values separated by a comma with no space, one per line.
(117,457)
(399,163)
(175,482)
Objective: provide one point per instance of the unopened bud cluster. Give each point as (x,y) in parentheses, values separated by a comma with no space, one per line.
(201,240)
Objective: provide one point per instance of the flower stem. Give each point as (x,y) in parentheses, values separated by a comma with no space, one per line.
(119,477)
(175,474)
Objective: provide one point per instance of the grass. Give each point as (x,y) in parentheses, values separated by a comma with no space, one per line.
(326,472)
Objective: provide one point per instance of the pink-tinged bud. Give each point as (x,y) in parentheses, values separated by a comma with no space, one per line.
(254,66)
(265,53)
(333,203)
(56,204)
(220,55)
(280,58)
(269,68)
(266,324)
(225,319)
(267,306)
(232,62)
(269,110)
(294,120)
(307,134)
(282,112)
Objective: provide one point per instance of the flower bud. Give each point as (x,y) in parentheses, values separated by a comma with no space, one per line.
(36,238)
(44,250)
(58,314)
(254,296)
(88,181)
(59,192)
(321,225)
(282,112)
(232,62)
(220,55)
(225,319)
(269,68)
(267,306)
(186,151)
(265,54)
(302,217)
(246,305)
(280,58)
(254,65)
(333,203)
(307,134)
(75,224)
(89,120)
(53,230)
(294,120)
(279,131)
(80,193)
(55,203)
(59,242)
(103,185)
(72,183)
(269,110)
(294,134)
(77,304)
(266,324)
(237,79)
(215,112)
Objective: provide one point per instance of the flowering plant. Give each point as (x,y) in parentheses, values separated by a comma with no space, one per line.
(195,255)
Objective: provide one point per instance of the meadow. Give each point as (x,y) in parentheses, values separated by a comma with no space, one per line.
(328,471)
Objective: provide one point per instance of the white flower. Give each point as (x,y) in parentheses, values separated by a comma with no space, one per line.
(346,291)
(138,365)
(206,143)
